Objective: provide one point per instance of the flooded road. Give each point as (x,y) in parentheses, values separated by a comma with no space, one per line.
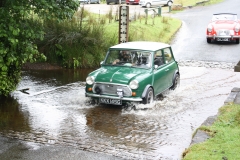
(56,112)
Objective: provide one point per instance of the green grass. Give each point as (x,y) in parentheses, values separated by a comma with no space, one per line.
(185,3)
(225,138)
(159,29)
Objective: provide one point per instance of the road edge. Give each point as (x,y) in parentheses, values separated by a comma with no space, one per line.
(201,136)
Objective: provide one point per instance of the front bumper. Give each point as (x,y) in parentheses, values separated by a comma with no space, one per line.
(218,36)
(130,99)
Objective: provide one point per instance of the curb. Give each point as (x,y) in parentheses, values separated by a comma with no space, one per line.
(201,136)
(234,96)
(237,67)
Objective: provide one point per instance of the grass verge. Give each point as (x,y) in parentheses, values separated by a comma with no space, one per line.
(225,137)
(186,3)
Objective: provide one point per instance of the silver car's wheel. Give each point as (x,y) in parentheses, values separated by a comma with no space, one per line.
(169,3)
(148,5)
(149,96)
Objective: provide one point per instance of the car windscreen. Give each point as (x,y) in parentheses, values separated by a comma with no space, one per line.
(219,17)
(129,58)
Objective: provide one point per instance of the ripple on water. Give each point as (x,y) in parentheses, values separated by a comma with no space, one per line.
(162,129)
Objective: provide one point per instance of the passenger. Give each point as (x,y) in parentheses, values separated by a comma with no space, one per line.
(158,60)
(125,56)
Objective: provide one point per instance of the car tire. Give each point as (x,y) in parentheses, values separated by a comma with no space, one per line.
(237,41)
(169,3)
(176,82)
(209,40)
(148,5)
(149,96)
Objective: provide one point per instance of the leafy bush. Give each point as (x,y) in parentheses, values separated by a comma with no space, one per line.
(19,30)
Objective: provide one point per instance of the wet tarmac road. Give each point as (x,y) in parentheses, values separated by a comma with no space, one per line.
(13,149)
(190,42)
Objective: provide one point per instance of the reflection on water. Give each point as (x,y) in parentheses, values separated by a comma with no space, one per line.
(57,77)
(40,109)
(11,116)
(104,122)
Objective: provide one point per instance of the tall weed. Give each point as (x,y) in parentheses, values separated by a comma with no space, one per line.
(79,43)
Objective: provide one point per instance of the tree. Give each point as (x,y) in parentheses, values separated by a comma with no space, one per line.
(21,25)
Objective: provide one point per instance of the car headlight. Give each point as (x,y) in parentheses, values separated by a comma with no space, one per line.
(133,84)
(237,28)
(90,80)
(209,28)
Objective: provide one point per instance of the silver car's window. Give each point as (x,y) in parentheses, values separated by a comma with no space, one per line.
(129,58)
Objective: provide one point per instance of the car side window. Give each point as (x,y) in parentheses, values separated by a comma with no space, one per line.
(167,55)
(158,58)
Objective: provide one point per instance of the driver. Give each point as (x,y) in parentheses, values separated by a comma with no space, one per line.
(123,57)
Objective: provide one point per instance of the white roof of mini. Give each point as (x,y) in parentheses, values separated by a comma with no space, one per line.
(141,45)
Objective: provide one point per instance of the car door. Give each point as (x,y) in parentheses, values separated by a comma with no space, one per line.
(160,77)
(170,66)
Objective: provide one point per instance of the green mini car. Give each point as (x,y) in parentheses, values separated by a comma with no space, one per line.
(132,73)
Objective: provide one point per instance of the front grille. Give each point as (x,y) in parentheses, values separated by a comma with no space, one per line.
(111,89)
(223,32)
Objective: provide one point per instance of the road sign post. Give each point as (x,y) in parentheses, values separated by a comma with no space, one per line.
(123,24)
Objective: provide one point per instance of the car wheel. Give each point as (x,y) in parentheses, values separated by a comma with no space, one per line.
(169,3)
(209,40)
(149,96)
(148,5)
(237,41)
(176,82)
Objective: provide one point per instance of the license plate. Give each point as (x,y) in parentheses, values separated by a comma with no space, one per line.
(222,39)
(110,101)
(120,92)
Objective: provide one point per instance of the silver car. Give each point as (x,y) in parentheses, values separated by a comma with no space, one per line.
(149,3)
(89,1)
